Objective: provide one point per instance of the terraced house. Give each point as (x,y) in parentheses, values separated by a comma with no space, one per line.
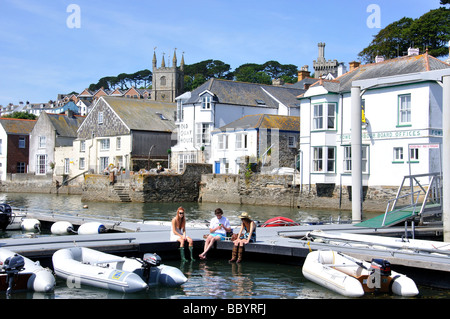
(14,146)
(128,133)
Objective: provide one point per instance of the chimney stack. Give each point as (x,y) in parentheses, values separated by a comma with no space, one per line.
(354,65)
(303,73)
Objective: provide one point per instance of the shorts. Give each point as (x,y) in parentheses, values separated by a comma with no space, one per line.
(222,236)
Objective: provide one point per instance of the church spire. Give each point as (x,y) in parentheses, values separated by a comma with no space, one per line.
(163,63)
(154,59)
(182,62)
(174,60)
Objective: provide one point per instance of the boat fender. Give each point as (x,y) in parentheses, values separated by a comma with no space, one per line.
(31,224)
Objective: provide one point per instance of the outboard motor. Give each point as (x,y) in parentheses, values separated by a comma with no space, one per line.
(380,270)
(5,216)
(12,266)
(382,266)
(148,261)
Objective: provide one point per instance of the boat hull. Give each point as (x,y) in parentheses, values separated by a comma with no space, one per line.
(351,277)
(84,266)
(40,280)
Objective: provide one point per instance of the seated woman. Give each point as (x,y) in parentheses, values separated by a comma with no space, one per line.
(178,233)
(218,228)
(247,234)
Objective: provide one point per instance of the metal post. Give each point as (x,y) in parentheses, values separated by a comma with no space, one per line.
(356,141)
(446,156)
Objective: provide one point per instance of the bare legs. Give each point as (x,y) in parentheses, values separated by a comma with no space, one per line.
(210,240)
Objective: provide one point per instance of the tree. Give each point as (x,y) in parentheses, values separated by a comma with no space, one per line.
(431,31)
(21,115)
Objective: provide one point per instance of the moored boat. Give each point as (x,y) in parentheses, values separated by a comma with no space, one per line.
(38,278)
(91,267)
(380,242)
(279,221)
(351,277)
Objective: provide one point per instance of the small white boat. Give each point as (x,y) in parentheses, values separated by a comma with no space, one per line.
(351,277)
(40,280)
(381,242)
(91,267)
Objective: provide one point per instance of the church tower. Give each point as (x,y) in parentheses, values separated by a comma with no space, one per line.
(167,82)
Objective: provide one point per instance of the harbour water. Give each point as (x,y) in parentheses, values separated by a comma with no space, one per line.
(214,278)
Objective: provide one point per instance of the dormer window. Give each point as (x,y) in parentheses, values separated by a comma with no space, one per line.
(206,102)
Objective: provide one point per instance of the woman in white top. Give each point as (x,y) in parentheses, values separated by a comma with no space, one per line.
(178,233)
(218,229)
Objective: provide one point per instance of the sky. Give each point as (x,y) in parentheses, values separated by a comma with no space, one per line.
(48,47)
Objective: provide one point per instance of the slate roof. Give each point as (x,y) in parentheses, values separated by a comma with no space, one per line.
(267,121)
(143,115)
(247,94)
(17,126)
(64,125)
(398,66)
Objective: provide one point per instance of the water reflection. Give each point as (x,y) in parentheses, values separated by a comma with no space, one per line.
(73,204)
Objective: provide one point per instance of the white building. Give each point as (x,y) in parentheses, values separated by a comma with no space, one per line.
(217,103)
(399,118)
(251,138)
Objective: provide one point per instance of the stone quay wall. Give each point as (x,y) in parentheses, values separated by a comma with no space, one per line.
(163,187)
(277,190)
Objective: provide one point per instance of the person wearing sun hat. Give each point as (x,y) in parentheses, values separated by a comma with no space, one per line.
(247,234)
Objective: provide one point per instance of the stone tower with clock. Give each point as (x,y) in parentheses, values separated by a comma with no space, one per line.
(167,81)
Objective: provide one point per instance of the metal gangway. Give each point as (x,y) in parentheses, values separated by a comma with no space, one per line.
(421,201)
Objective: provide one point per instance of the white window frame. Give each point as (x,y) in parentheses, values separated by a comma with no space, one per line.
(206,102)
(404,109)
(398,155)
(118,143)
(41,164)
(202,134)
(104,144)
(291,141)
(82,163)
(42,141)
(100,118)
(22,142)
(414,154)
(223,141)
(241,141)
(103,163)
(324,116)
(347,159)
(322,162)
(82,146)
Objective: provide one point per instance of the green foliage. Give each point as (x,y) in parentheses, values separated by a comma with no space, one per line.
(431,31)
(21,115)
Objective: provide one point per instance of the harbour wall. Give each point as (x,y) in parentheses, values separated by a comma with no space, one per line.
(277,190)
(163,187)
(197,183)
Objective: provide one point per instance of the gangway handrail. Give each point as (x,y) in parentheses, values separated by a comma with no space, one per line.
(402,208)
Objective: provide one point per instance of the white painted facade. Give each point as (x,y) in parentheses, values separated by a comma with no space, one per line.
(400,119)
(195,122)
(230,148)
(97,153)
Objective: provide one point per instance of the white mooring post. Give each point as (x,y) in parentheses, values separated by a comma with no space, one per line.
(356,141)
(446,156)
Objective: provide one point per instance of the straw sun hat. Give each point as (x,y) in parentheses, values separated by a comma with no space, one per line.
(245,215)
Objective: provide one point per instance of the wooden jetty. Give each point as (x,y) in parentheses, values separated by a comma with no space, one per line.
(281,244)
